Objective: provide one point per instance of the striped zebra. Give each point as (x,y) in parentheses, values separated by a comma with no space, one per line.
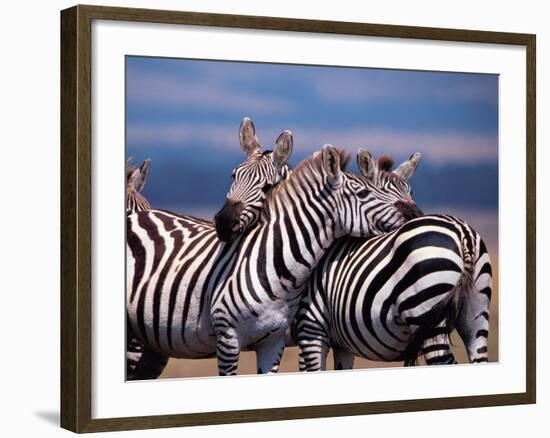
(135,182)
(387,181)
(399,295)
(254,306)
(196,245)
(246,292)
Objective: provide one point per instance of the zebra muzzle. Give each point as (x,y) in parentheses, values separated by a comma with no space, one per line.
(227,220)
(408,209)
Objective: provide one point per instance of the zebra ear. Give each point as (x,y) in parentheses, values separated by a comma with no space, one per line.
(366,164)
(283,149)
(247,137)
(331,163)
(407,168)
(145,169)
(137,178)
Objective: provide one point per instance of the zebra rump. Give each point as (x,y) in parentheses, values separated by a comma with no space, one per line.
(443,318)
(397,296)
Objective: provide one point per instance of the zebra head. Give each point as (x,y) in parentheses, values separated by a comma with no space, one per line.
(253,179)
(135,181)
(377,201)
(391,189)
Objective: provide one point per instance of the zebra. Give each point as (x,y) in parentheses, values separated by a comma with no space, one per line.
(191,295)
(395,296)
(254,305)
(385,180)
(135,201)
(264,169)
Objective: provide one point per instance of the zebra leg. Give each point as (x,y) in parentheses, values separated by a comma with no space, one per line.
(269,354)
(437,349)
(343,359)
(150,366)
(312,331)
(227,352)
(313,354)
(134,351)
(301,362)
(473,321)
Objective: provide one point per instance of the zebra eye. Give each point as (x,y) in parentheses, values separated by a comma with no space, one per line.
(363,193)
(267,188)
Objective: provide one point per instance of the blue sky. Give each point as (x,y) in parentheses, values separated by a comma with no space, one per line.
(185,115)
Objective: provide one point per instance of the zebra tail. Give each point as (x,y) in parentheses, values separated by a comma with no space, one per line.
(446,311)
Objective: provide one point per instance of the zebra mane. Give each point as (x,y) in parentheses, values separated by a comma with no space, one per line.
(315,163)
(385,163)
(311,165)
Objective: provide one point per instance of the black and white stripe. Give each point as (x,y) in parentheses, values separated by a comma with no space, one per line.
(195,248)
(255,305)
(393,297)
(135,201)
(190,295)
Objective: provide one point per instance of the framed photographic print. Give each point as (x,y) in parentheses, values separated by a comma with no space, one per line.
(303,218)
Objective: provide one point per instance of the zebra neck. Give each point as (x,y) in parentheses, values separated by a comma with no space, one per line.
(301,229)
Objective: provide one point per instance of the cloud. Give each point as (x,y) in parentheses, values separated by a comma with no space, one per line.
(435,147)
(396,87)
(157,89)
(182,135)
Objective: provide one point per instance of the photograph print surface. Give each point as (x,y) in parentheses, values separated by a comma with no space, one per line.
(286,218)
